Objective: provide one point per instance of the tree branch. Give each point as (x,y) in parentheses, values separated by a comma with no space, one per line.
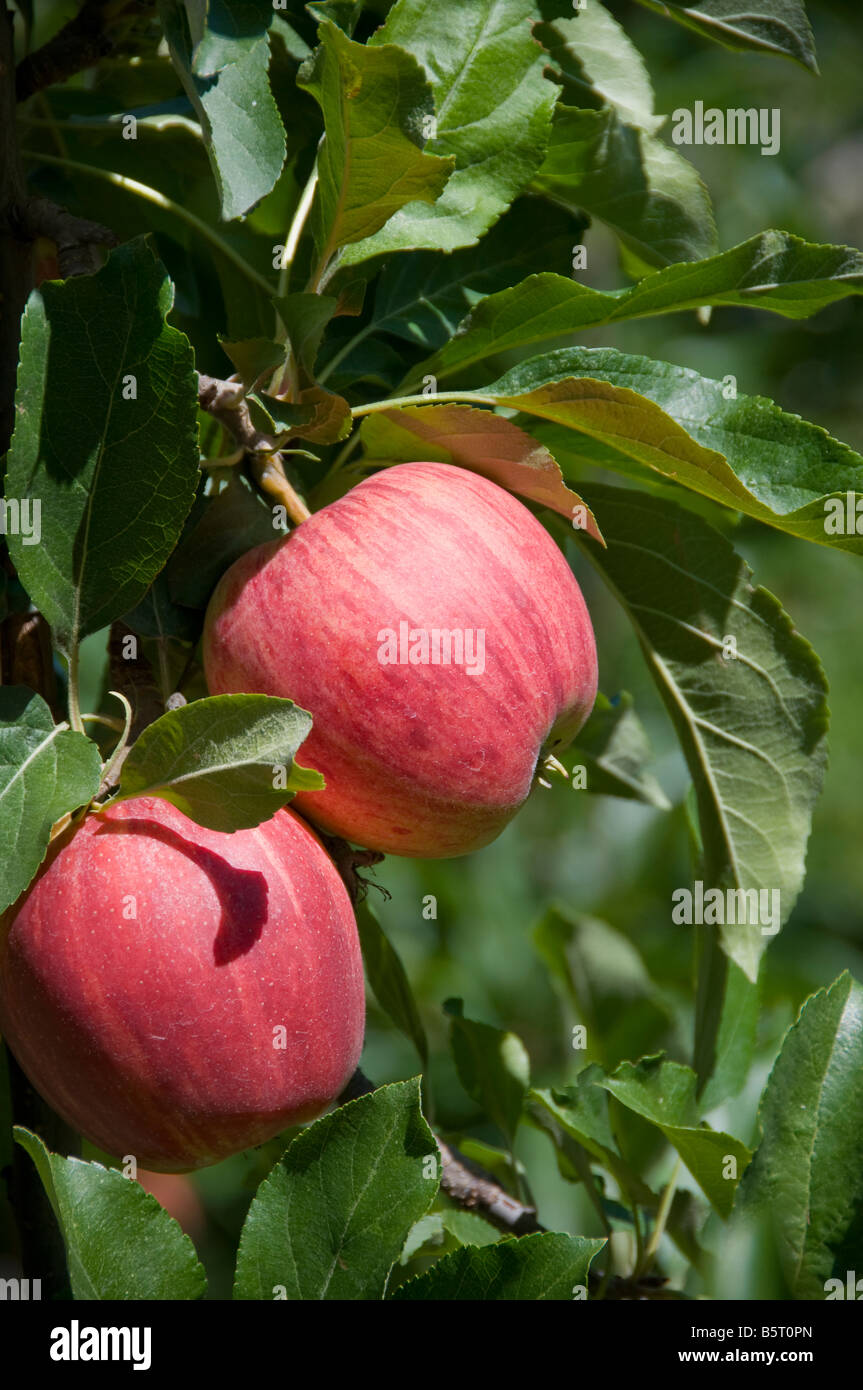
(76,237)
(463,1181)
(15,272)
(226,402)
(94,32)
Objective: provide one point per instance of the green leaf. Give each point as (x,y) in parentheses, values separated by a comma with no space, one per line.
(579,1113)
(226,761)
(614,749)
(646,192)
(441,1232)
(469,1229)
(530,1268)
(807,1174)
(726,1022)
(331,416)
(751,726)
(632,414)
(253,358)
(493,113)
(46,770)
(157,615)
(331,1219)
(275,416)
(344,13)
(229,524)
(305,317)
(421,297)
(664,1094)
(116,475)
(221,54)
(773,270)
(493,1067)
(371,162)
(389,981)
(295,45)
(479,440)
(120,1243)
(599,65)
(779,27)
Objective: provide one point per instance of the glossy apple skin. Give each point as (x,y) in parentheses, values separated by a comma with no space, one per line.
(422,760)
(153,1035)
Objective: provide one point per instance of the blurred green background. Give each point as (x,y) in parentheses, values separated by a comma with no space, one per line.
(610,860)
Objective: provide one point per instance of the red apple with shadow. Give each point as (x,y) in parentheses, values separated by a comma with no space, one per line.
(440,640)
(178,994)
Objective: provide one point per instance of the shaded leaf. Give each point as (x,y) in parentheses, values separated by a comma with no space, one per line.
(770,26)
(221,53)
(388,979)
(421,297)
(229,524)
(493,1067)
(606,982)
(646,192)
(664,1094)
(726,1022)
(116,476)
(253,358)
(579,1113)
(305,317)
(614,749)
(751,725)
(530,1268)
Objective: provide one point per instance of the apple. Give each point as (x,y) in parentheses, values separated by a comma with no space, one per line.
(439,639)
(178,994)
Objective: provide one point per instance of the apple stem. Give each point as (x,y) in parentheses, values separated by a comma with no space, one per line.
(75,720)
(270,475)
(120,749)
(295,231)
(661,1219)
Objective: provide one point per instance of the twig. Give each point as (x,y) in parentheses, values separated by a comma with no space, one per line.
(133,677)
(468,1185)
(93,33)
(661,1219)
(161,200)
(76,237)
(224,400)
(348,861)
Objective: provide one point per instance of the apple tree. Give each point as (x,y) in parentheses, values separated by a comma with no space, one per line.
(334,344)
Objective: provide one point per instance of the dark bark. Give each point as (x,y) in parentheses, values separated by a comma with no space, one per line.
(91,34)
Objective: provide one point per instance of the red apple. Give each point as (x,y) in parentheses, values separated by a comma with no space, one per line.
(421,757)
(178,994)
